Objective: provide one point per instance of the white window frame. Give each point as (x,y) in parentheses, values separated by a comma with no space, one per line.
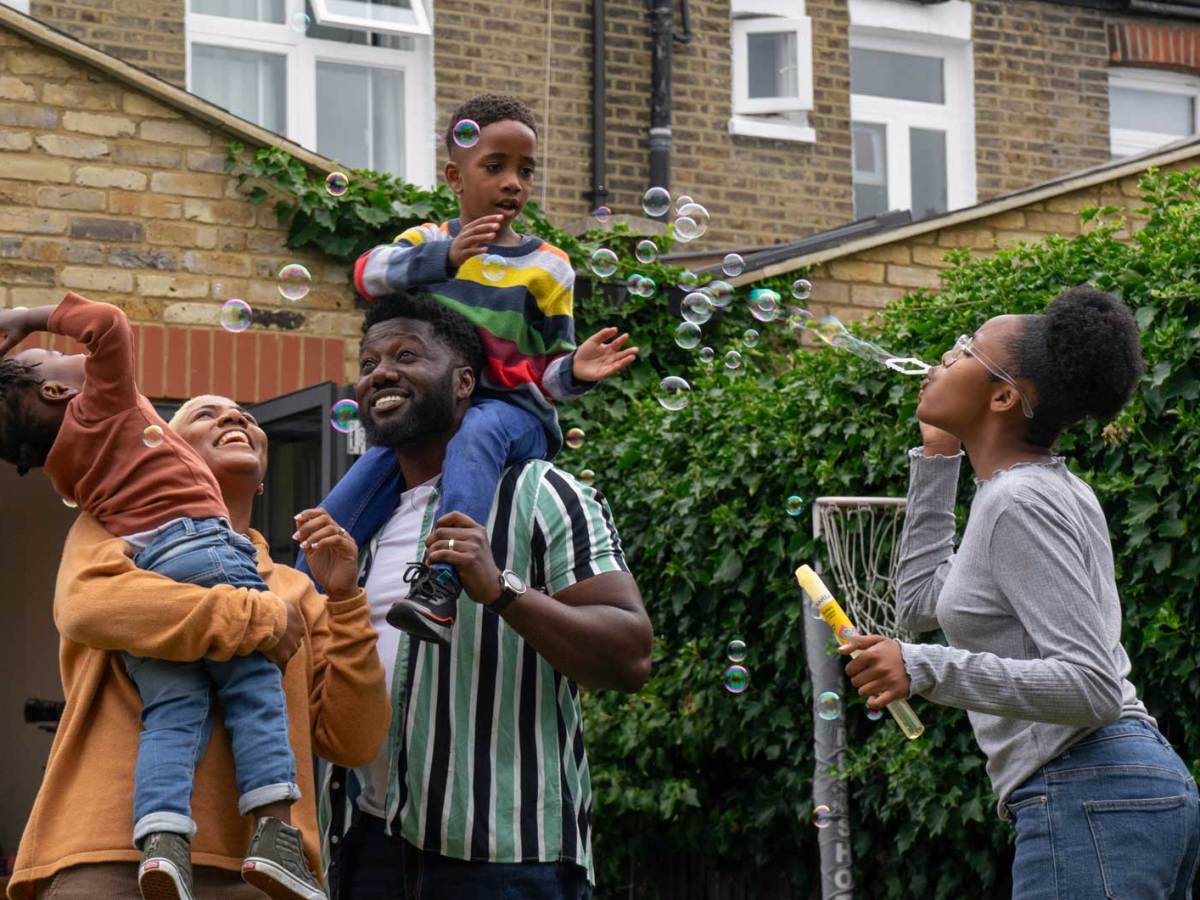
(779,118)
(1130,141)
(21,6)
(956,117)
(325,16)
(302,54)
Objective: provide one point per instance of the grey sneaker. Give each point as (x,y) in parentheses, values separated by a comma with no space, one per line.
(275,863)
(166,869)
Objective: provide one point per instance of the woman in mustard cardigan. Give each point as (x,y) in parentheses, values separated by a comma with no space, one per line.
(76,843)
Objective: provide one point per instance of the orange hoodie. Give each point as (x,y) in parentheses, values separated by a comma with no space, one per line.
(337,702)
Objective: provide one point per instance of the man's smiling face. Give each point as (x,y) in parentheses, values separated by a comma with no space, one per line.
(407,380)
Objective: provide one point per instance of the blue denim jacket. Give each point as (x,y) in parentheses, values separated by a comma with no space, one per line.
(364,499)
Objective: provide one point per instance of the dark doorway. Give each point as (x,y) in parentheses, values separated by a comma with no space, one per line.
(307,456)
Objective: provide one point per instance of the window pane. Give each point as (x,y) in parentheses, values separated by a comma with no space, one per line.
(900,76)
(928,159)
(869,148)
(360,116)
(255,10)
(1155,111)
(772,63)
(395,12)
(357,35)
(247,83)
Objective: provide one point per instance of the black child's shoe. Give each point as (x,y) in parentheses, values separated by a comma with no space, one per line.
(428,612)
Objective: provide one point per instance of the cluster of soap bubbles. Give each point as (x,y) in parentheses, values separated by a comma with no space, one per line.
(736,677)
(293,281)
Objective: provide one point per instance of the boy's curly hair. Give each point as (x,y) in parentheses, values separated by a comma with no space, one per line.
(486,109)
(20,443)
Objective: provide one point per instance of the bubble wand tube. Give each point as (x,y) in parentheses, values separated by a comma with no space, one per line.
(812,585)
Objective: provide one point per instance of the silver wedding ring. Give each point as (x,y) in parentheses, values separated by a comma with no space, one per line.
(451,543)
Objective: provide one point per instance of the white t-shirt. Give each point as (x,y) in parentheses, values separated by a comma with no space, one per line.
(397,547)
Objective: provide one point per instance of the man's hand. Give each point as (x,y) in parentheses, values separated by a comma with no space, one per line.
(14,328)
(330,552)
(473,239)
(291,639)
(601,356)
(471,555)
(878,671)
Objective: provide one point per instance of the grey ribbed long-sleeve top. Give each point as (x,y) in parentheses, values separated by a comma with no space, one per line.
(1029,607)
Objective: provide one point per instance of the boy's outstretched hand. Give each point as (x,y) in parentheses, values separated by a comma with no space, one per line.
(601,356)
(473,239)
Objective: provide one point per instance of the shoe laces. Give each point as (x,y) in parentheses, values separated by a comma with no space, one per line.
(414,571)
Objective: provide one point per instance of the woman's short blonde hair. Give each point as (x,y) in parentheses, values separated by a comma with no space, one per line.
(184,411)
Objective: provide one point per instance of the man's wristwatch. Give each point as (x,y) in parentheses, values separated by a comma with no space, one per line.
(511,588)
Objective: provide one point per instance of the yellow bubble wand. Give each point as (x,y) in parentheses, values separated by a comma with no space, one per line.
(812,585)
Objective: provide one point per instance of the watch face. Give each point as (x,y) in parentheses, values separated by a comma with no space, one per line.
(513,582)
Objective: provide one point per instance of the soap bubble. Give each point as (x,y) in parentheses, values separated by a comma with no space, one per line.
(656,202)
(696,308)
(674,393)
(798,318)
(602,214)
(687,279)
(299,22)
(733,265)
(698,216)
(764,304)
(69,503)
(588,477)
(874,714)
(236,315)
(685,229)
(795,505)
(466,133)
(574,438)
(720,293)
(494,267)
(733,360)
(707,355)
(646,252)
(343,415)
(750,337)
(831,330)
(152,436)
(681,201)
(822,816)
(737,679)
(736,651)
(642,286)
(295,281)
(337,183)
(604,262)
(801,288)
(687,335)
(829,705)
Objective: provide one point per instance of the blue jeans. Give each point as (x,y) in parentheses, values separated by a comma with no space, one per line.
(177,697)
(375,866)
(493,435)
(1114,816)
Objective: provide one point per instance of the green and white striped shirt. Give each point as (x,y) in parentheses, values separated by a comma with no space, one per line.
(486,745)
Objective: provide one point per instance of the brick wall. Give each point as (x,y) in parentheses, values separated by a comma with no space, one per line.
(145,33)
(1041,93)
(107,192)
(858,284)
(756,190)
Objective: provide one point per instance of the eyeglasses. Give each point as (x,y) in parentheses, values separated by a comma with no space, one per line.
(966,345)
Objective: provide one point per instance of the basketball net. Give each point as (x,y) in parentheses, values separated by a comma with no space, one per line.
(862,534)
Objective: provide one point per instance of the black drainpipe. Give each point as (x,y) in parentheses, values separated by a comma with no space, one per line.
(599,192)
(663,36)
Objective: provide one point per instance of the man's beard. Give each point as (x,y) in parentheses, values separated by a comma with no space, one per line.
(428,415)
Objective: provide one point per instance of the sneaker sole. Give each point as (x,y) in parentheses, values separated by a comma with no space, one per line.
(276,882)
(410,618)
(162,882)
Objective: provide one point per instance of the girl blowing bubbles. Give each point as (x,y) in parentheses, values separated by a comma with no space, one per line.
(1101,804)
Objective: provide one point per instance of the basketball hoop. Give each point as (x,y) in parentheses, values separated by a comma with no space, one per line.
(862,534)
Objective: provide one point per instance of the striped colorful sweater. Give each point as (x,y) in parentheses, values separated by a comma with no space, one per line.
(524,317)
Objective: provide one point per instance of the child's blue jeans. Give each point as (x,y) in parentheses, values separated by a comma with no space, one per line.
(1115,815)
(177,697)
(493,434)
